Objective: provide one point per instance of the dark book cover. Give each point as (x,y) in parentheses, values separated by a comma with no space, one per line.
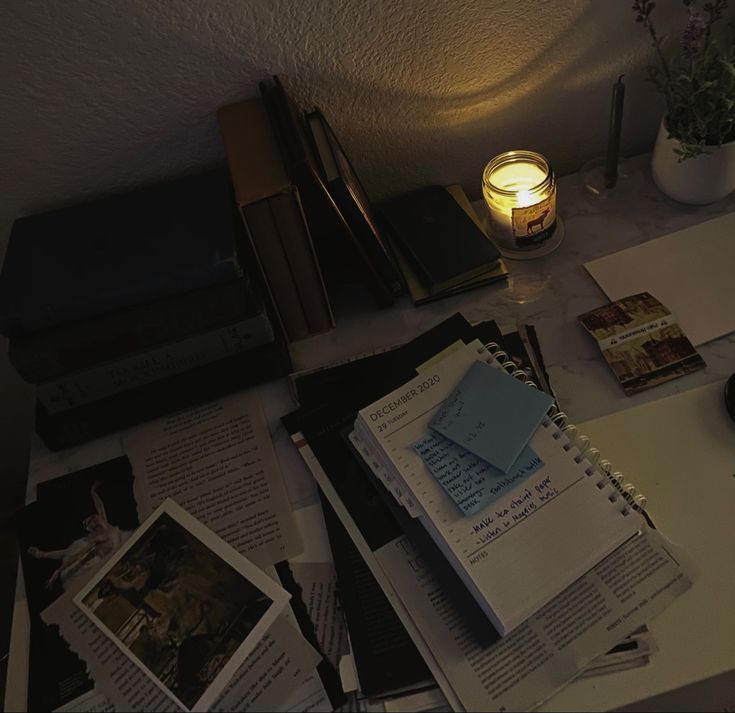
(129,408)
(319,386)
(52,353)
(76,522)
(351,199)
(258,175)
(442,242)
(125,249)
(385,657)
(384,371)
(327,224)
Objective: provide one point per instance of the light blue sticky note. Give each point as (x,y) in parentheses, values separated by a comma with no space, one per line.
(492,415)
(472,483)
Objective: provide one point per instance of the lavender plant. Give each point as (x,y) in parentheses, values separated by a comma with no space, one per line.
(698,81)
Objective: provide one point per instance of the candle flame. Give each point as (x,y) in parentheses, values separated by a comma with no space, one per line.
(525,199)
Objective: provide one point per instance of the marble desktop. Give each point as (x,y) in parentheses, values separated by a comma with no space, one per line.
(549,292)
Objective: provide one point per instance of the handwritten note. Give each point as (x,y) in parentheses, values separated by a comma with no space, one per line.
(492,415)
(472,483)
(520,507)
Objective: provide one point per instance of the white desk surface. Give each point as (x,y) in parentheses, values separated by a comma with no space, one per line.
(547,292)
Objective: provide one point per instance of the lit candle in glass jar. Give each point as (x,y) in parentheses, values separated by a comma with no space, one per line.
(520,192)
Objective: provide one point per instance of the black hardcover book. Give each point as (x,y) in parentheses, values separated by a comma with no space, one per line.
(333,236)
(84,423)
(348,193)
(387,370)
(443,243)
(131,248)
(51,353)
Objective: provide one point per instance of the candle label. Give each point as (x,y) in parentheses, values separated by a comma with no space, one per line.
(534,224)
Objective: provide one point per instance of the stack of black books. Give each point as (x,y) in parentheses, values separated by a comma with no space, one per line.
(134,305)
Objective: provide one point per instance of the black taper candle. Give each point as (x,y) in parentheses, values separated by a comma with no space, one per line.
(613,139)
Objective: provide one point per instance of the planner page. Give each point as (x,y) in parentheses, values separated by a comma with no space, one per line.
(528,545)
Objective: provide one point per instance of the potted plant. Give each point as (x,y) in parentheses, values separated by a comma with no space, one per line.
(694,156)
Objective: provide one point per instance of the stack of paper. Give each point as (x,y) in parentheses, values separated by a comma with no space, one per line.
(519,551)
(396,522)
(168,615)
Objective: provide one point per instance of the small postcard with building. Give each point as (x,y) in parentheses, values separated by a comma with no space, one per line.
(642,342)
(183,605)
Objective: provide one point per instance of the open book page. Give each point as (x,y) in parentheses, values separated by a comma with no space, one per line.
(217,462)
(282,661)
(528,665)
(561,516)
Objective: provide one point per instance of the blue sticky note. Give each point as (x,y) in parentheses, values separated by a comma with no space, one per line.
(471,482)
(492,415)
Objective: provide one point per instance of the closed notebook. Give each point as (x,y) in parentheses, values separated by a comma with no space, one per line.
(352,201)
(115,252)
(443,244)
(421,292)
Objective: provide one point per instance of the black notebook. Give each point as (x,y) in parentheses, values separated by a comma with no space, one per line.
(440,240)
(352,201)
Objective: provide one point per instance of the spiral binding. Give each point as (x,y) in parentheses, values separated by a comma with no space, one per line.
(558,418)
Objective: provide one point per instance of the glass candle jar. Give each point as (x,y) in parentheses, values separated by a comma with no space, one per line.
(520,192)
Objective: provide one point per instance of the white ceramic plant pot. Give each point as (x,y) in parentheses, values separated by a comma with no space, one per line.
(700,180)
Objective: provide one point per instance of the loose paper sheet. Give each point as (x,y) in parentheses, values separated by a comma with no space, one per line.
(491,414)
(528,665)
(690,271)
(318,582)
(281,661)
(646,578)
(217,462)
(90,454)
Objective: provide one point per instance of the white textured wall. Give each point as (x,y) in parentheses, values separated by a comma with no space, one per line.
(103,94)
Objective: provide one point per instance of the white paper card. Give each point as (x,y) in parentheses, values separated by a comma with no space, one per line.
(689,271)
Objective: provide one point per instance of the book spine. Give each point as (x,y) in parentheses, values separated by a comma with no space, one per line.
(108,379)
(52,353)
(271,257)
(212,381)
(302,260)
(365,231)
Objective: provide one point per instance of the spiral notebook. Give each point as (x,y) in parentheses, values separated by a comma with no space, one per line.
(526,547)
